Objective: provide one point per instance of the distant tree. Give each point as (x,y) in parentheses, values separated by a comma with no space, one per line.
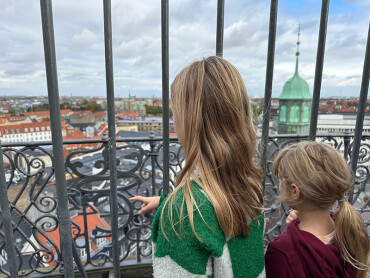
(84,105)
(37,108)
(153,110)
(93,106)
(256,111)
(45,119)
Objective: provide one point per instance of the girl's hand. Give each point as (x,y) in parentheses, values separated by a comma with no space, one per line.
(293,215)
(150,204)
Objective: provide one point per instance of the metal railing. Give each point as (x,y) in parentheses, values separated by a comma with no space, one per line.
(44,206)
(33,197)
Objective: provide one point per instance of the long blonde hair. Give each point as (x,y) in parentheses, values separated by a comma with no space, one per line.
(324,177)
(211,104)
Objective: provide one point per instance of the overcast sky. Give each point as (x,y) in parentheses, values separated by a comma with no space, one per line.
(137,44)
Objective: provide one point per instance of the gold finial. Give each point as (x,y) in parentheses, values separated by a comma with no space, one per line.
(299,33)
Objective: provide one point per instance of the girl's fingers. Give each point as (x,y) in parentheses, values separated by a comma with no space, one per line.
(137,198)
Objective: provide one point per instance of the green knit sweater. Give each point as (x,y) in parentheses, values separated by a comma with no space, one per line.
(213,256)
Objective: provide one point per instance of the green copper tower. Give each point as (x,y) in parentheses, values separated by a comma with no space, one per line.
(295,103)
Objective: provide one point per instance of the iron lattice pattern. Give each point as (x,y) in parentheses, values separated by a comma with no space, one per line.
(32,194)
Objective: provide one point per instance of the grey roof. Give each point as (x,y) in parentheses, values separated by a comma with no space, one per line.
(136,134)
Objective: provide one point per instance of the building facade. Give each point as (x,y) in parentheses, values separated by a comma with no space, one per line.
(26,132)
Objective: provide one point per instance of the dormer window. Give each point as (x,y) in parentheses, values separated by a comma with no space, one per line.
(100,241)
(48,127)
(37,129)
(26,130)
(31,129)
(42,128)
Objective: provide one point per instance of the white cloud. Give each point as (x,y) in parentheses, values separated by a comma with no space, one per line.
(79,36)
(84,39)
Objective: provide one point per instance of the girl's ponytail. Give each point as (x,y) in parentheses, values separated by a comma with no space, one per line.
(352,238)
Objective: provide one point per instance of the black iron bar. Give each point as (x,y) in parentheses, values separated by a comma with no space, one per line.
(268,86)
(111,135)
(56,134)
(319,68)
(79,264)
(361,112)
(7,221)
(220,28)
(153,155)
(165,97)
(347,141)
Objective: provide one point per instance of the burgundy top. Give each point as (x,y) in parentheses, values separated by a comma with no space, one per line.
(296,253)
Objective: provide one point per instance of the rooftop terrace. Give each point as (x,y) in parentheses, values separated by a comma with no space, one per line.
(72,216)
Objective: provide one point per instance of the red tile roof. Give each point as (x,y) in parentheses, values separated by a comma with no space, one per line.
(98,114)
(93,220)
(47,113)
(127,115)
(16,118)
(83,112)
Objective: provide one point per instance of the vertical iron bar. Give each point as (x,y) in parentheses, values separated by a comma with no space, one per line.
(7,221)
(138,258)
(111,135)
(361,111)
(56,134)
(152,159)
(220,28)
(347,141)
(79,264)
(268,86)
(319,67)
(165,98)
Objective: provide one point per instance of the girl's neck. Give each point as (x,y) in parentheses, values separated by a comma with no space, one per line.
(316,221)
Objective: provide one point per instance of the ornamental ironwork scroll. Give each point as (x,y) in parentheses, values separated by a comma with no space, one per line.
(32,195)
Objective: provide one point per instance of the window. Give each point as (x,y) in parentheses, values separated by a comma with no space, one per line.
(294,114)
(42,128)
(283,113)
(305,114)
(17,130)
(37,129)
(100,241)
(48,127)
(31,129)
(26,130)
(83,252)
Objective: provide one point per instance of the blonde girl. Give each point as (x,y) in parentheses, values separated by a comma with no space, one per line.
(211,225)
(313,176)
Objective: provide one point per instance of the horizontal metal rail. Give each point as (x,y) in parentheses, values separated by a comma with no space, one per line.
(172,139)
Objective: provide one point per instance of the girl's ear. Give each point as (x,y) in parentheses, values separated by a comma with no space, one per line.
(295,193)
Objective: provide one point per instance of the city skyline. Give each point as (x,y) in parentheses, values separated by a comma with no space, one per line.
(137,44)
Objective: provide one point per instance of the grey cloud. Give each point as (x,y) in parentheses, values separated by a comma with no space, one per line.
(18,71)
(84,39)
